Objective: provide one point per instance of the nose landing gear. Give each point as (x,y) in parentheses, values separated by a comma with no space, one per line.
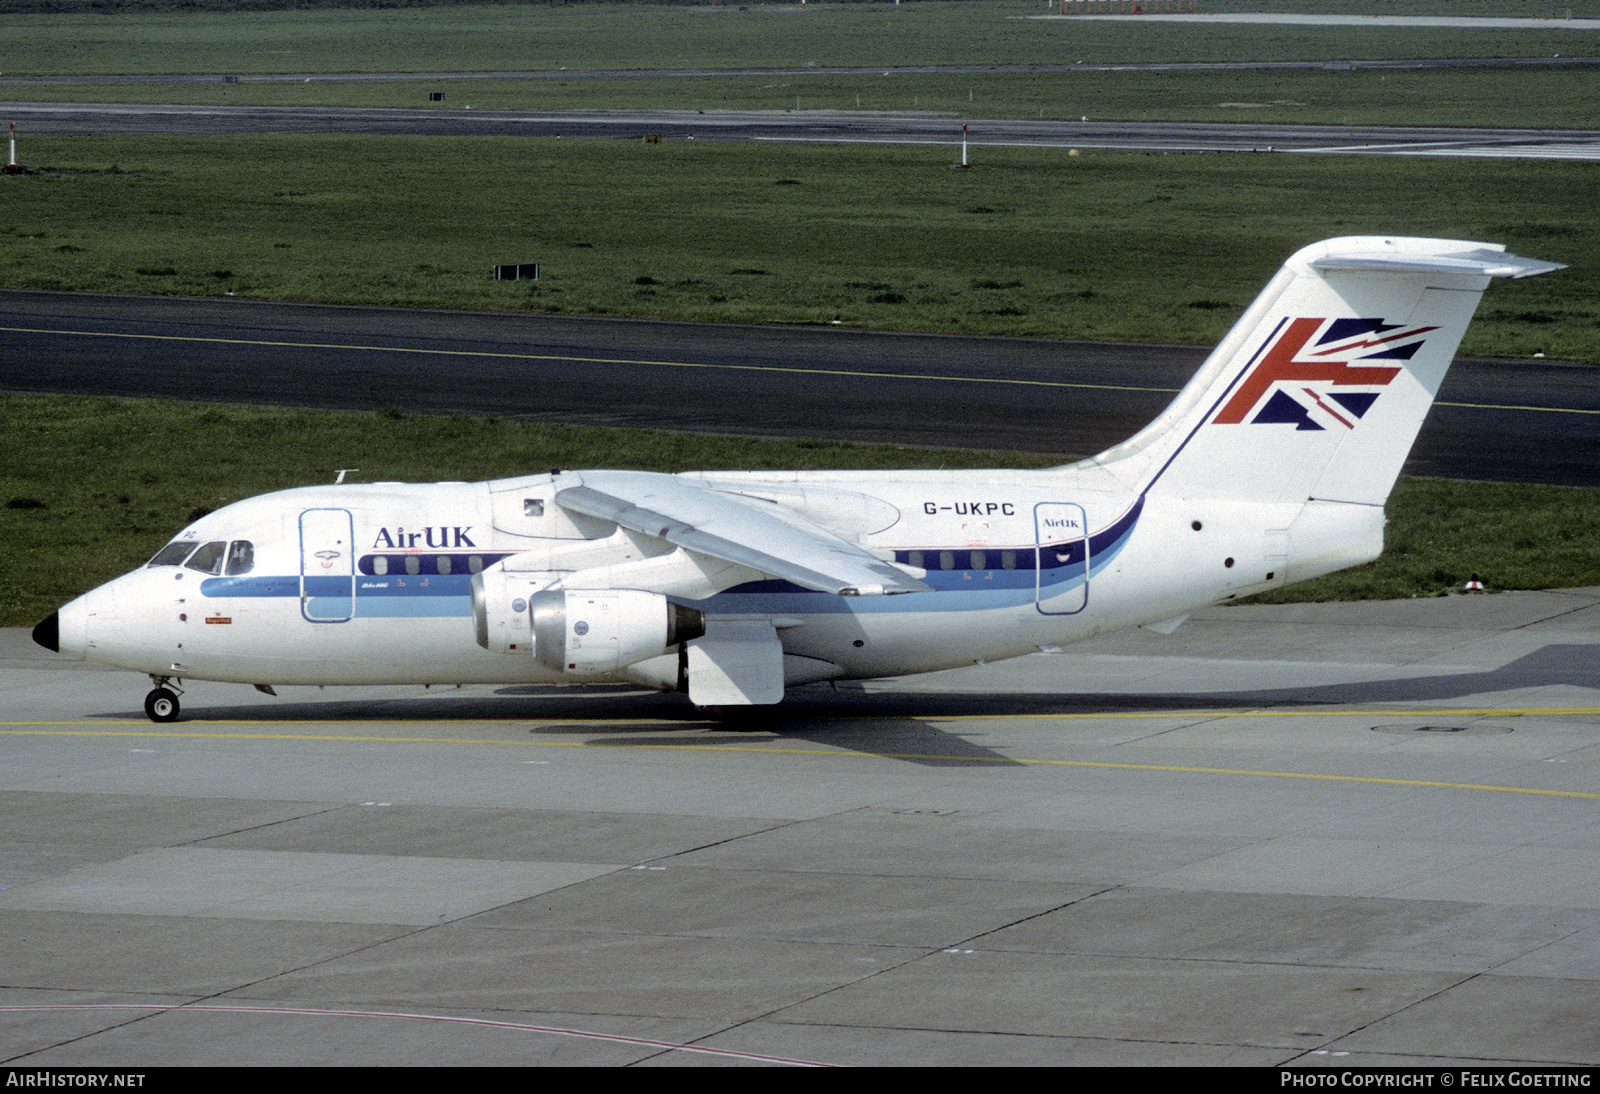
(161,705)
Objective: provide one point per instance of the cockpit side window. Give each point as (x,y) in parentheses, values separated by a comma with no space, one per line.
(208,559)
(173,553)
(241,557)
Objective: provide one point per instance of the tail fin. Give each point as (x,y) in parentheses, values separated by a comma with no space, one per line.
(1320,388)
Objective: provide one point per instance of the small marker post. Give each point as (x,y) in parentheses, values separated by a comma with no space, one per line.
(13,167)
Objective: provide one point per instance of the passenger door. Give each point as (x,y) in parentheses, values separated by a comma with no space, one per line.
(327,565)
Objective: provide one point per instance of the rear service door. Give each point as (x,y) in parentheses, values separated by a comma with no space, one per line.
(1061,558)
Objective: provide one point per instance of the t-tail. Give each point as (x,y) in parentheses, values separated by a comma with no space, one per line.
(1302,417)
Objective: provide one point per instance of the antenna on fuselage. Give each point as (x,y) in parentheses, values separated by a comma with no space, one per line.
(342,472)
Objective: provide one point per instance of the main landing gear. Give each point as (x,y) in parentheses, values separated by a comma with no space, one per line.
(162,703)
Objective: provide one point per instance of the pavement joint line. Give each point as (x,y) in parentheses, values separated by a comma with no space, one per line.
(321,1012)
(1024,761)
(510,356)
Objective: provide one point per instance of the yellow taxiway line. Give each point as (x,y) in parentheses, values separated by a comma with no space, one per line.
(101,729)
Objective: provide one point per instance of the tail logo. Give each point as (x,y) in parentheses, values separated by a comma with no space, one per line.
(1293,379)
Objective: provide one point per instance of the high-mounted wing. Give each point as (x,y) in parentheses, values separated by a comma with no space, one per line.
(734,529)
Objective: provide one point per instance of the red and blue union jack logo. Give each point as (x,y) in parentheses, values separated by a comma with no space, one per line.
(1298,376)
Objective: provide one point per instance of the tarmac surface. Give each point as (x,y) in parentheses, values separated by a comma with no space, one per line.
(1311,19)
(820,126)
(1504,421)
(1342,835)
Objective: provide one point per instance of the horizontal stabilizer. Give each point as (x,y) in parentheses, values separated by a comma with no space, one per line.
(1487,262)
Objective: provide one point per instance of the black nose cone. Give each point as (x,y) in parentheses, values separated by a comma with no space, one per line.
(48,632)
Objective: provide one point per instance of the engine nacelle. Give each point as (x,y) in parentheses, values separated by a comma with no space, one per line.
(589,631)
(584,631)
(500,607)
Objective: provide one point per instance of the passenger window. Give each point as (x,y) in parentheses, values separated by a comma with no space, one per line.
(947,560)
(914,559)
(475,564)
(241,557)
(980,560)
(173,554)
(1008,560)
(380,564)
(208,559)
(442,564)
(413,564)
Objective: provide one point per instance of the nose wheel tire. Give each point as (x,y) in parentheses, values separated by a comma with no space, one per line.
(161,705)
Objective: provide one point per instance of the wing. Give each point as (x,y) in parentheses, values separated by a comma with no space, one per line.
(745,531)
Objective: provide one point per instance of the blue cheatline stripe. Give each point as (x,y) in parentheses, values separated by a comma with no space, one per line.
(974,592)
(413,607)
(409,587)
(252,586)
(401,596)
(328,586)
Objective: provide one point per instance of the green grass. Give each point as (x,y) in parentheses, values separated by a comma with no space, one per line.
(872,37)
(92,487)
(516,37)
(1545,97)
(1030,242)
(1545,537)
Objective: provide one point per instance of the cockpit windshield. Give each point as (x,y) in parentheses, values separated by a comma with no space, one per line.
(208,559)
(174,553)
(239,557)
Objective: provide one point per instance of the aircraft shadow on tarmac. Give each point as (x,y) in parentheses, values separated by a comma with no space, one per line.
(896,725)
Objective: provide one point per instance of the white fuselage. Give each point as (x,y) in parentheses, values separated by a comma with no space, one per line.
(1271,466)
(1005,555)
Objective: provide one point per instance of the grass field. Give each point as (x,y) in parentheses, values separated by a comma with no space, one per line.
(878,40)
(1101,245)
(93,487)
(1561,98)
(516,37)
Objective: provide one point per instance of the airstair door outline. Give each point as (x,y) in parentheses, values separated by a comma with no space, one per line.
(1061,558)
(327,565)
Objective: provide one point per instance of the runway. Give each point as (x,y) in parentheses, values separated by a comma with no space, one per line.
(99,119)
(1518,421)
(1321,835)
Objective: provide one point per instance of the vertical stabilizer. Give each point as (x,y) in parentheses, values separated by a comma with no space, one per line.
(1319,390)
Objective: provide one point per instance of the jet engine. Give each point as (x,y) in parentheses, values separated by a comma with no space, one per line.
(581,631)
(589,631)
(500,607)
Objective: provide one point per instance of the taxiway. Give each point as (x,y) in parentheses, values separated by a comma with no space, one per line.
(1342,835)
